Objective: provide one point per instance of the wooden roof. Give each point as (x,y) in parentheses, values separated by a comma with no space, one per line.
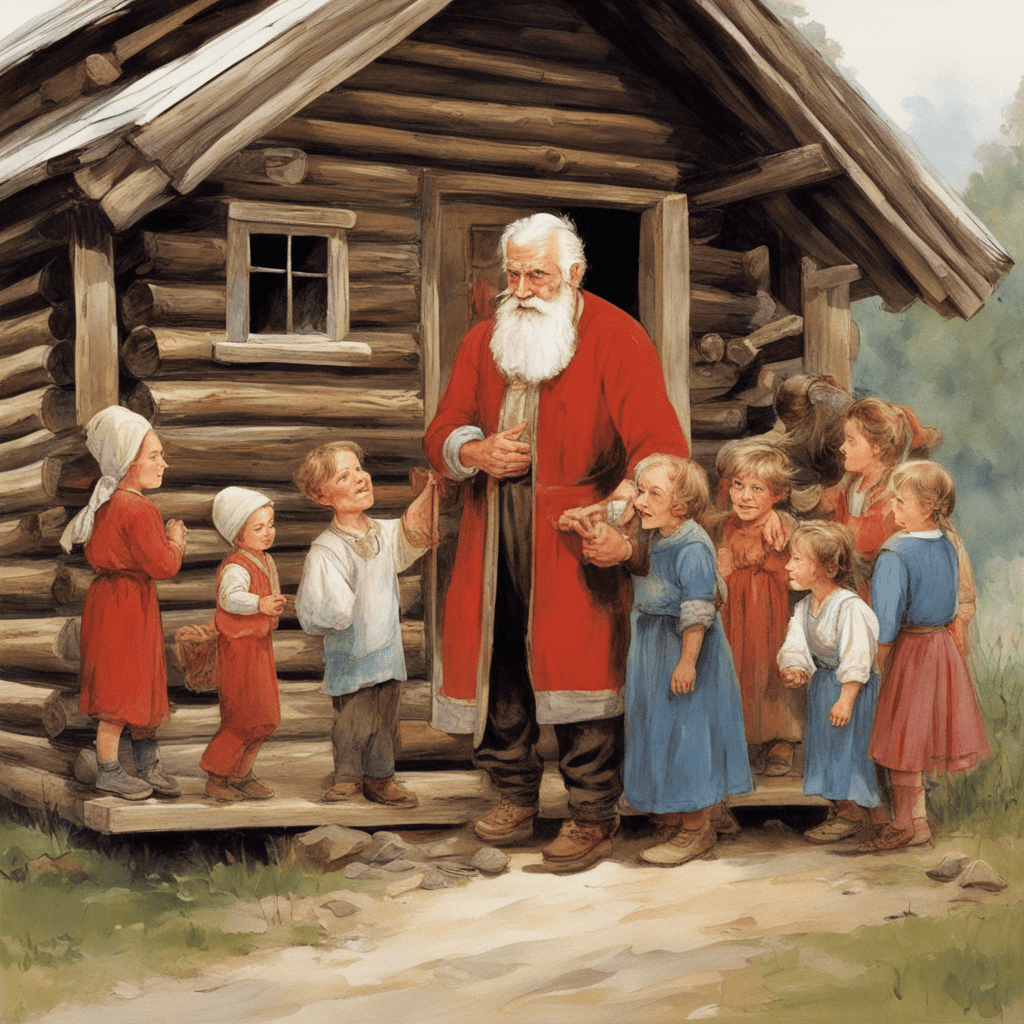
(142,100)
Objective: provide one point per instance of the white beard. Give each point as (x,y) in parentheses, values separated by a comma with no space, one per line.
(534,339)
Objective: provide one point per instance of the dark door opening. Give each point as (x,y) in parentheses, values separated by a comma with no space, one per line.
(611,243)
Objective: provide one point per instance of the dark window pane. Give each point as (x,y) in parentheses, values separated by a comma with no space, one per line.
(268,304)
(268,251)
(309,253)
(310,310)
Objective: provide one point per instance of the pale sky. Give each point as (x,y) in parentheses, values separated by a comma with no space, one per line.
(963,59)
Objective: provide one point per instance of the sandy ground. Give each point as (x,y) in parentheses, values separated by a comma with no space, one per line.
(525,946)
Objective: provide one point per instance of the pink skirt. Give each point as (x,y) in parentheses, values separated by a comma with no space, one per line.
(928,718)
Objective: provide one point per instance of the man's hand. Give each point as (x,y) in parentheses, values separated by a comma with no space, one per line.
(502,455)
(273,605)
(793,678)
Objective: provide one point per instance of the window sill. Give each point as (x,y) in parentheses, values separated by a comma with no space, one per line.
(287,349)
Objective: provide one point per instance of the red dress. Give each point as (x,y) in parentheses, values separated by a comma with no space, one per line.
(596,420)
(250,706)
(124,671)
(755,617)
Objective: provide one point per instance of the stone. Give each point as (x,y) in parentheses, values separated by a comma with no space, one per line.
(978,875)
(339,908)
(329,847)
(399,865)
(489,860)
(360,944)
(43,865)
(456,868)
(949,867)
(356,869)
(387,846)
(453,846)
(434,878)
(404,885)
(777,828)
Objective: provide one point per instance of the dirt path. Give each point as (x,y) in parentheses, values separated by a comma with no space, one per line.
(620,939)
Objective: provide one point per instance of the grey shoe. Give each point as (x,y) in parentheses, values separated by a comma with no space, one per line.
(112,778)
(147,760)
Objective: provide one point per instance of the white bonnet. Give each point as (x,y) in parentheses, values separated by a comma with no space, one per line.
(232,508)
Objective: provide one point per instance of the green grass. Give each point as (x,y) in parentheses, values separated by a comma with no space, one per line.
(139,907)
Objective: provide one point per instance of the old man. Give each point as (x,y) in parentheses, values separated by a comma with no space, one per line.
(549,407)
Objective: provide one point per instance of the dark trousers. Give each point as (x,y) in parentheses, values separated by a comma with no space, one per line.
(589,753)
(364,735)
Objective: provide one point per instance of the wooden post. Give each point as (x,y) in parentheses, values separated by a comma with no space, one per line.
(92,263)
(665,295)
(828,325)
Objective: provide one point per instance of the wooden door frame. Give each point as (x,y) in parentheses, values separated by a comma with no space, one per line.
(664,291)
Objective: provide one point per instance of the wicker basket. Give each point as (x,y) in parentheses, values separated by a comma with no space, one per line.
(196,647)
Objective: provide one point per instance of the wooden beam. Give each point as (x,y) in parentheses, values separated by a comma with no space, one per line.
(280,164)
(832,277)
(665,296)
(780,172)
(51,409)
(827,327)
(33,534)
(43,327)
(48,285)
(92,266)
(742,352)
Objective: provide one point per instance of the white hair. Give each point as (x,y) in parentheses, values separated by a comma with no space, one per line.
(539,226)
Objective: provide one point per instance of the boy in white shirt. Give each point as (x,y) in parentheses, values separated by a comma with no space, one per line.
(349,596)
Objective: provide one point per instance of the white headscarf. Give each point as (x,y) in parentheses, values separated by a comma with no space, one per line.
(113,436)
(232,508)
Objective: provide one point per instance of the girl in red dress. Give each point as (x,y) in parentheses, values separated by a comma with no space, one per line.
(753,550)
(249,601)
(124,672)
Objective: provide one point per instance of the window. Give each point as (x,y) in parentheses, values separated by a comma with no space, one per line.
(287,286)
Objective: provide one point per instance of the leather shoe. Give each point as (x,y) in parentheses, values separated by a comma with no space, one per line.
(251,787)
(347,789)
(506,821)
(387,791)
(580,844)
(683,846)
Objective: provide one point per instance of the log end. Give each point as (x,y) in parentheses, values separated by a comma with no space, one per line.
(60,364)
(102,69)
(141,401)
(54,717)
(67,646)
(140,353)
(137,305)
(58,410)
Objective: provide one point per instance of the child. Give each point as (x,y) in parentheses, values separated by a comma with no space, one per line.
(124,672)
(249,601)
(684,722)
(928,716)
(752,556)
(349,596)
(832,641)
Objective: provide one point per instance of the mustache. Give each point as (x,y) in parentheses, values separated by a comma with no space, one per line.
(507,301)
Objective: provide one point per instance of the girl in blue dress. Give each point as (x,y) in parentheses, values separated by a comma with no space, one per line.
(832,641)
(685,744)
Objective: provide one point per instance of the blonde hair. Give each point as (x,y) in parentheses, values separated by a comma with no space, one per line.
(688,484)
(931,483)
(834,547)
(319,466)
(897,432)
(760,459)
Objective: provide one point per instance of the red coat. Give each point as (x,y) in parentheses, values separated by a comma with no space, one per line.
(124,671)
(605,412)
(872,528)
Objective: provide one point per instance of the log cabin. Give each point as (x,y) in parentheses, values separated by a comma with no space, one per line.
(267,223)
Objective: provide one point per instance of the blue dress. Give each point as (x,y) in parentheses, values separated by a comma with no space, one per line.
(837,645)
(687,751)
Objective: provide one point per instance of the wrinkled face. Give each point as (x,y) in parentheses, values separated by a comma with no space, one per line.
(146,473)
(910,514)
(751,498)
(349,488)
(859,454)
(259,530)
(804,571)
(533,270)
(654,502)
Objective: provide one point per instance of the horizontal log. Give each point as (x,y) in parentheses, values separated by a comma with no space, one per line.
(149,303)
(723,268)
(709,349)
(32,534)
(48,285)
(545,159)
(722,419)
(51,409)
(762,394)
(743,351)
(40,444)
(202,256)
(21,705)
(713,310)
(711,380)
(40,753)
(31,487)
(832,277)
(40,645)
(779,172)
(275,163)
(30,330)
(628,134)
(26,584)
(32,367)
(36,233)
(194,507)
(189,402)
(270,453)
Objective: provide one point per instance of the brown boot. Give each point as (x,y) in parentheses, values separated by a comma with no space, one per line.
(723,821)
(220,789)
(580,844)
(251,788)
(347,789)
(780,759)
(665,825)
(681,847)
(505,822)
(387,791)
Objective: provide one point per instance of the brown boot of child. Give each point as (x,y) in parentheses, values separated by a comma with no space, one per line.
(220,789)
